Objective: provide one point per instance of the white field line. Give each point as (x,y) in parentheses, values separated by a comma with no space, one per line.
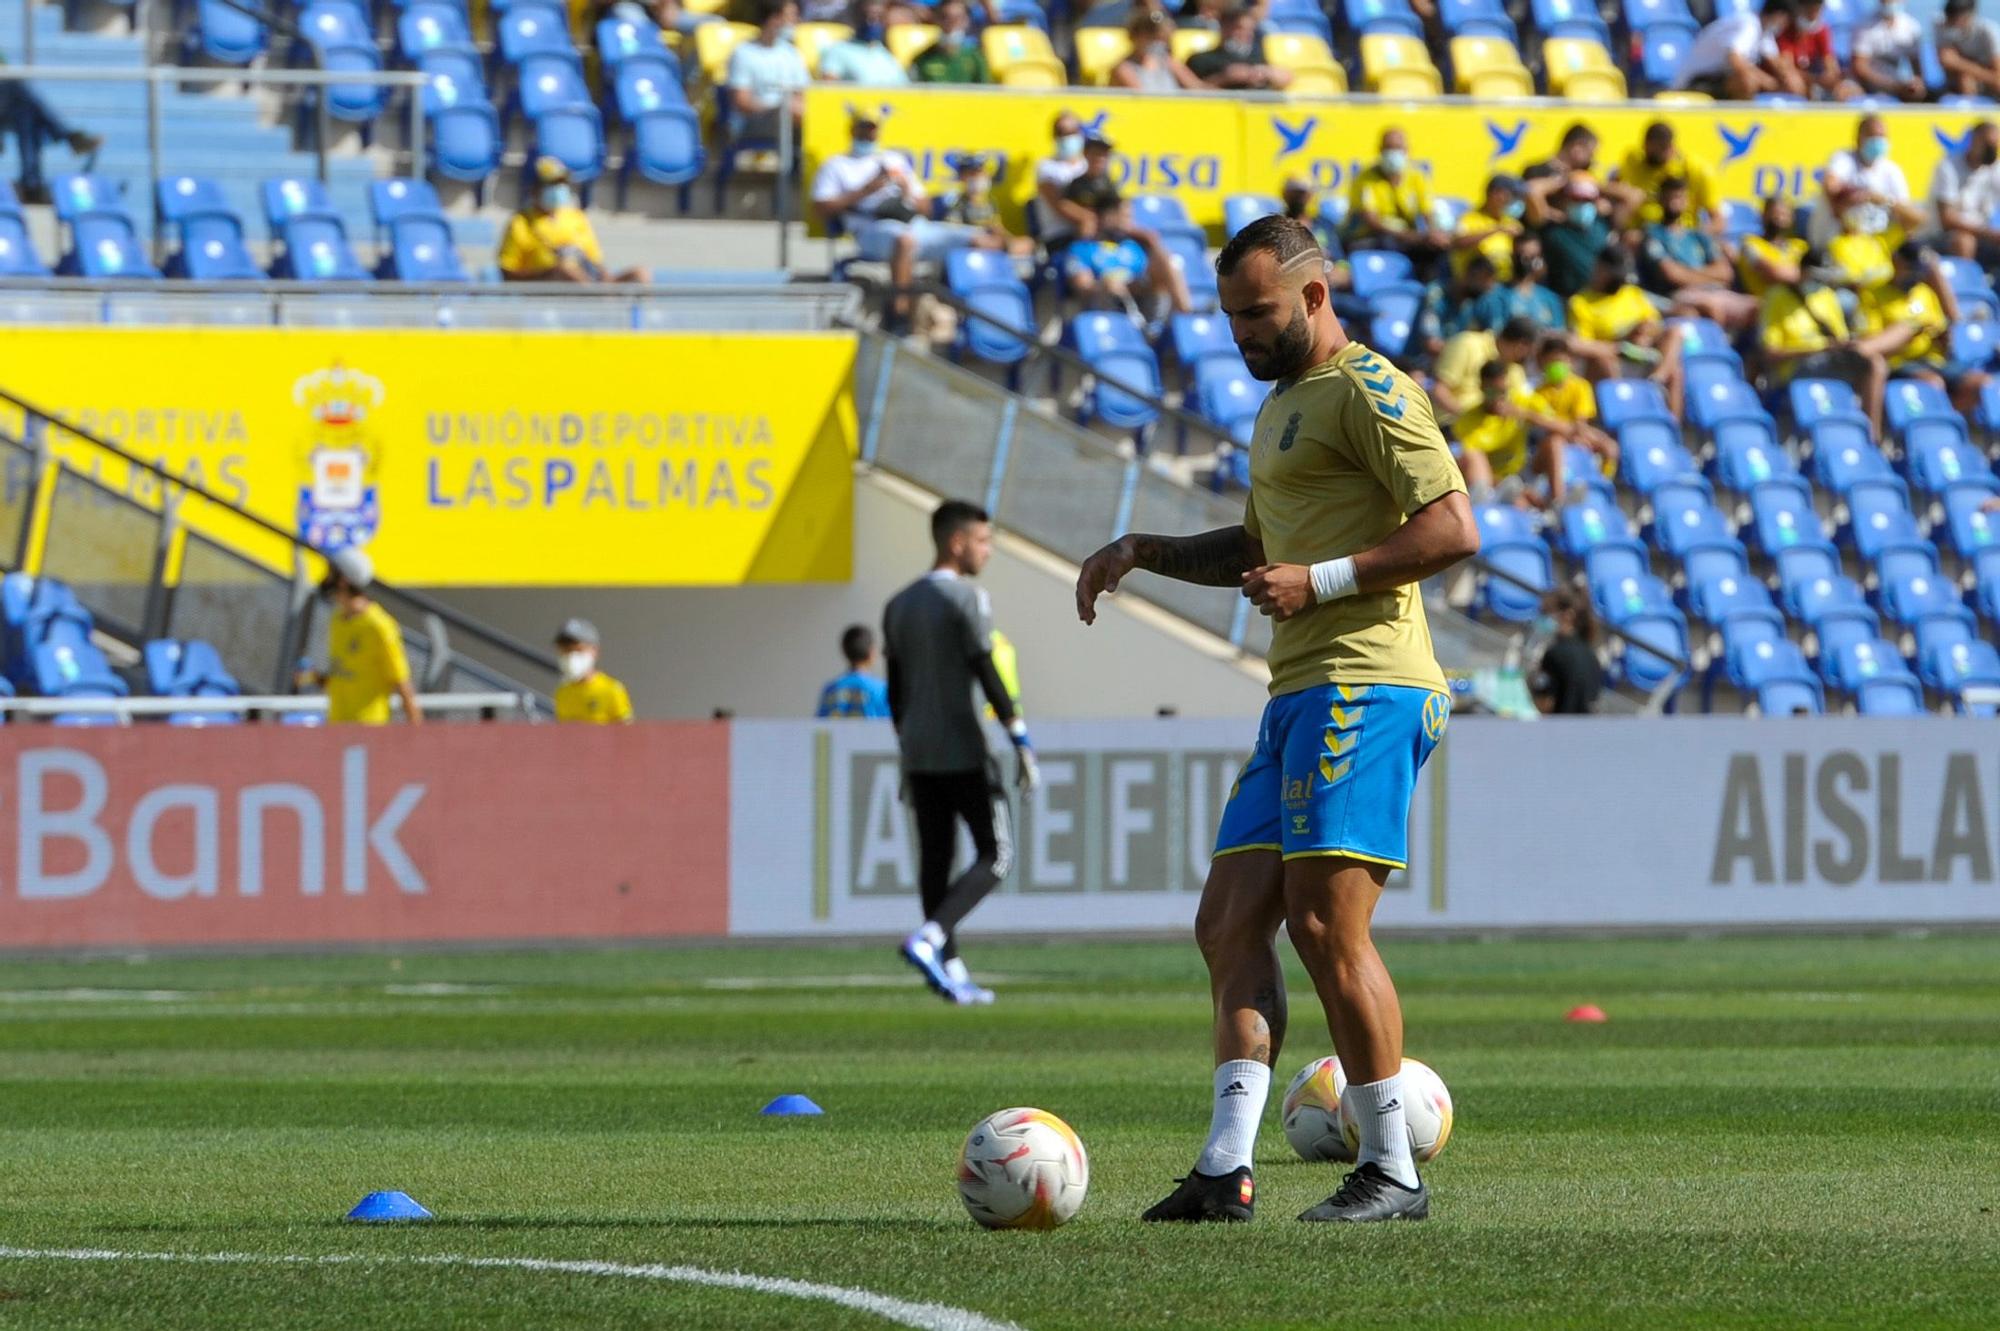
(902,1312)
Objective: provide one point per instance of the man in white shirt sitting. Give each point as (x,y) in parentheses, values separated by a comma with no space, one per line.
(1866,192)
(1888,54)
(1736,57)
(1058,218)
(1965,193)
(765,72)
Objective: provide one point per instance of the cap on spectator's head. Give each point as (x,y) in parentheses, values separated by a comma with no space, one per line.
(1581,186)
(1094,138)
(1503,181)
(861,119)
(354,566)
(550,170)
(964,162)
(581,632)
(1091,192)
(1953,8)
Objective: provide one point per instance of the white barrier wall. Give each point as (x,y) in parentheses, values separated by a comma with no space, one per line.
(1704,822)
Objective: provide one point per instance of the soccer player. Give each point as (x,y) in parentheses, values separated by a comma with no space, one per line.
(859,692)
(1354,500)
(938,635)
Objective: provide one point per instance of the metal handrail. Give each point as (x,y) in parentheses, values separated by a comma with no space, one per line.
(1683,668)
(254,706)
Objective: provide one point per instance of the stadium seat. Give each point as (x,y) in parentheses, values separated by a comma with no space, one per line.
(1905,561)
(288,199)
(17,251)
(1196,337)
(327,24)
(1034,13)
(1683,518)
(1591,521)
(315,249)
(1987,591)
(1622,400)
(1228,396)
(549,81)
(80,195)
(1478,18)
(1375,271)
(530,29)
(1509,544)
(1020,56)
(1890,697)
(907,41)
(1571,19)
(1644,15)
(1810,600)
(1619,599)
(1485,66)
(1397,65)
(622,39)
(1815,400)
(213,250)
(1843,453)
(1790,697)
(1972,288)
(1970,528)
(666,148)
(1191,42)
(988,283)
(1650,454)
(1715,559)
(1579,69)
(454,78)
(1383,18)
(1662,49)
(1952,668)
(1240,210)
(1878,519)
(813,39)
(421,250)
(466,141)
(1704,342)
(226,34)
(1718,600)
(1098,52)
(73,669)
(1747,454)
(1188,251)
(1938,456)
(1754,660)
(1111,345)
(1975,343)
(105,245)
(1909,600)
(641,84)
(1655,643)
(398,197)
(1609,562)
(1857,663)
(1911,400)
(1714,398)
(192,669)
(713,43)
(430,26)
(351,103)
(1315,72)
(574,136)
(1395,311)
(179,197)
(1782,515)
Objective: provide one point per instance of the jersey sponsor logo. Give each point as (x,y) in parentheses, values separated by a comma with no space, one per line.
(1291,434)
(1298,792)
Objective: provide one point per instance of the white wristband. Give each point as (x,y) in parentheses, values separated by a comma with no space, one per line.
(1333,579)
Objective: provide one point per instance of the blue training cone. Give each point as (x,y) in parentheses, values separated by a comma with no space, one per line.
(383,1206)
(793,1104)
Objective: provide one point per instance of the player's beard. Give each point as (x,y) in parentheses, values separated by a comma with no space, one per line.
(1289,351)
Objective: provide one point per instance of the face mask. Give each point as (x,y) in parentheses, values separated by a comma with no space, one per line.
(866,147)
(1543,627)
(871,32)
(1534,266)
(1874,149)
(1583,214)
(978,187)
(1069,147)
(1515,210)
(788,32)
(576,665)
(1159,50)
(1241,50)
(952,40)
(1394,160)
(557,196)
(1555,372)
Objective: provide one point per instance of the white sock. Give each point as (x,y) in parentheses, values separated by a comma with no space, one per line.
(1385,1133)
(956,972)
(1241,1087)
(930,933)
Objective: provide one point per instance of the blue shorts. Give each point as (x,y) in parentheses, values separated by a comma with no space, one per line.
(1333,772)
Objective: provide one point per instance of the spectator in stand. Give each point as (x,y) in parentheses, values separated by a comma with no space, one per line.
(1736,58)
(1449,301)
(551,239)
(1455,388)
(1773,255)
(1688,267)
(34,127)
(1806,336)
(365,661)
(1567,396)
(1807,43)
(1965,195)
(1577,151)
(955,56)
(1497,436)
(1058,220)
(587,694)
(1207,15)
(1491,229)
(1523,298)
(1239,61)
(1614,322)
(1151,67)
(765,73)
(861,692)
(865,59)
(971,205)
(1389,205)
(1908,319)
(1866,191)
(1568,214)
(1648,166)
(1301,205)
(1888,54)
(1968,48)
(1121,264)
(1568,677)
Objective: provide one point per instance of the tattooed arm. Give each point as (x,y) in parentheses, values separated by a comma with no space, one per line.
(1216,558)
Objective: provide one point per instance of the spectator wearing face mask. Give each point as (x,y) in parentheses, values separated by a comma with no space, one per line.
(1238,62)
(587,694)
(1807,43)
(1687,265)
(1119,264)
(1736,57)
(1491,229)
(1965,194)
(1806,335)
(1774,253)
(1888,54)
(1568,677)
(1058,218)
(1567,212)
(766,72)
(1524,297)
(1651,163)
(955,56)
(865,59)
(1614,322)
(1866,192)
(1908,319)
(972,205)
(1389,204)
(1968,48)
(551,240)
(1566,396)
(1151,67)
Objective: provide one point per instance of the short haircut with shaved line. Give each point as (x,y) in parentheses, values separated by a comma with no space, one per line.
(1287,241)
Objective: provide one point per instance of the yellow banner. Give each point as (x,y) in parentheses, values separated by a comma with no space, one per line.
(482,458)
(1203,149)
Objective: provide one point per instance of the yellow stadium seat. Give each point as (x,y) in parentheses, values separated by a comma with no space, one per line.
(1098,52)
(1189,42)
(718,7)
(1020,57)
(1489,67)
(907,41)
(1393,65)
(1581,70)
(1683,97)
(1314,70)
(712,44)
(812,39)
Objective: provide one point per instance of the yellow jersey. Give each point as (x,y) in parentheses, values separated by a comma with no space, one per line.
(1887,304)
(1795,324)
(1570,400)
(1642,175)
(1459,360)
(365,663)
(1398,204)
(1596,317)
(596,699)
(1502,439)
(1864,260)
(1340,458)
(1754,282)
(1498,244)
(535,241)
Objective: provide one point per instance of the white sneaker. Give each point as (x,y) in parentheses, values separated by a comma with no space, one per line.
(969,994)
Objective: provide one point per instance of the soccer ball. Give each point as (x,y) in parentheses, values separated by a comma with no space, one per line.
(1312,1112)
(1023,1169)
(1426,1109)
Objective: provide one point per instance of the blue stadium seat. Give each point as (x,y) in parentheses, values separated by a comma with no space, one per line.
(1740,219)
(1782,515)
(212,250)
(1195,337)
(1240,210)
(574,135)
(193,669)
(1814,400)
(1954,667)
(1741,634)
(1790,697)
(315,249)
(17,251)
(1890,697)
(293,197)
(331,23)
(987,282)
(73,669)
(1975,343)
(529,28)
(1715,559)
(180,197)
(1858,663)
(1799,562)
(666,149)
(1395,312)
(1585,468)
(1747,454)
(1972,288)
(105,245)
(1111,345)
(1622,400)
(1878,519)
(1642,15)
(643,84)
(1704,343)
(398,197)
(352,103)
(1650,454)
(1377,270)
(225,34)
(1684,518)
(1571,18)
(1987,590)
(1910,400)
(1159,212)
(421,250)
(1971,528)
(1914,598)
(79,196)
(427,26)
(1754,660)
(466,142)
(549,81)
(1936,634)
(1227,395)
(1905,561)
(1478,18)
(1666,636)
(456,79)
(1189,253)
(1382,16)
(1619,599)
(1662,50)
(1844,452)
(622,39)
(1839,626)
(1592,521)
(1811,599)
(1938,456)
(1719,395)
(1718,600)
(1508,542)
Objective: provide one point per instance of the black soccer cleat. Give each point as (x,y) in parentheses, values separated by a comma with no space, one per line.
(1367,1194)
(1205,1197)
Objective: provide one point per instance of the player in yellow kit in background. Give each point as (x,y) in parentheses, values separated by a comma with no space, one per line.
(587,693)
(365,661)
(1354,500)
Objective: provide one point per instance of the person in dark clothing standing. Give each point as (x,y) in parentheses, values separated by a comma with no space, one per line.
(938,636)
(1568,678)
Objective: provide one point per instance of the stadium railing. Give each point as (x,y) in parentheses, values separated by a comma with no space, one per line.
(129,550)
(481,706)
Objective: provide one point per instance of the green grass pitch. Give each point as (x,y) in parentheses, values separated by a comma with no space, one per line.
(1768,1133)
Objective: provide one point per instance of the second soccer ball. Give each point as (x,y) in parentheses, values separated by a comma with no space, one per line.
(1312,1112)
